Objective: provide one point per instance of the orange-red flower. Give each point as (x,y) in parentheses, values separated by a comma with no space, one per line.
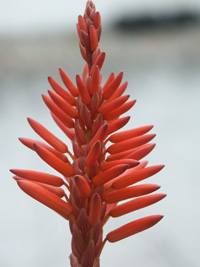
(96,175)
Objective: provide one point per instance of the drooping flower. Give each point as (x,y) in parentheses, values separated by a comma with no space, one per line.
(95,177)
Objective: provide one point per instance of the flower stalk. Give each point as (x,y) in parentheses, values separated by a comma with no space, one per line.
(96,175)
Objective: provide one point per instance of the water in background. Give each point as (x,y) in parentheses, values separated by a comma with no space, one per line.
(163,71)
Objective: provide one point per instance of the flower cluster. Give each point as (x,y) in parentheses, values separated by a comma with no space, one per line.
(97,176)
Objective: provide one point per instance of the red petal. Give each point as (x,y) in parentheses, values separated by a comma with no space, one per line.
(109,80)
(100,134)
(39,177)
(117,124)
(93,38)
(48,136)
(85,115)
(76,148)
(129,192)
(86,40)
(47,198)
(63,104)
(95,209)
(85,71)
(137,176)
(85,96)
(136,204)
(83,51)
(82,186)
(109,207)
(112,105)
(121,155)
(97,20)
(94,86)
(68,131)
(117,137)
(77,240)
(99,30)
(107,165)
(53,189)
(112,87)
(68,83)
(134,153)
(97,123)
(95,54)
(141,152)
(108,175)
(80,133)
(119,111)
(83,222)
(61,91)
(93,154)
(99,61)
(58,112)
(29,143)
(99,33)
(133,228)
(130,143)
(79,33)
(127,172)
(120,90)
(88,256)
(53,161)
(82,24)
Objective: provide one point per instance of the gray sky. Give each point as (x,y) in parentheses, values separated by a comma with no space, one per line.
(29,16)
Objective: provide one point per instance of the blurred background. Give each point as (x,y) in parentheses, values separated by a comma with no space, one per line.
(156,44)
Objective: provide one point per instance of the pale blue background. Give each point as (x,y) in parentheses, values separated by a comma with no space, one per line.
(163,71)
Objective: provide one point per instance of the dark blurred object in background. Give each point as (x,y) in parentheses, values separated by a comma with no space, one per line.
(156,22)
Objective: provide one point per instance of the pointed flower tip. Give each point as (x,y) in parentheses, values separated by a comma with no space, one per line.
(93,153)
(133,228)
(136,204)
(130,192)
(39,177)
(35,146)
(22,140)
(82,186)
(46,197)
(109,174)
(61,71)
(16,178)
(51,139)
(56,163)
(95,209)
(161,166)
(139,175)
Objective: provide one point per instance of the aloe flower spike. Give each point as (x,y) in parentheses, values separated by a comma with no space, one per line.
(96,176)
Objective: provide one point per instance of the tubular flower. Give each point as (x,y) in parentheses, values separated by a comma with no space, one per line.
(96,176)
